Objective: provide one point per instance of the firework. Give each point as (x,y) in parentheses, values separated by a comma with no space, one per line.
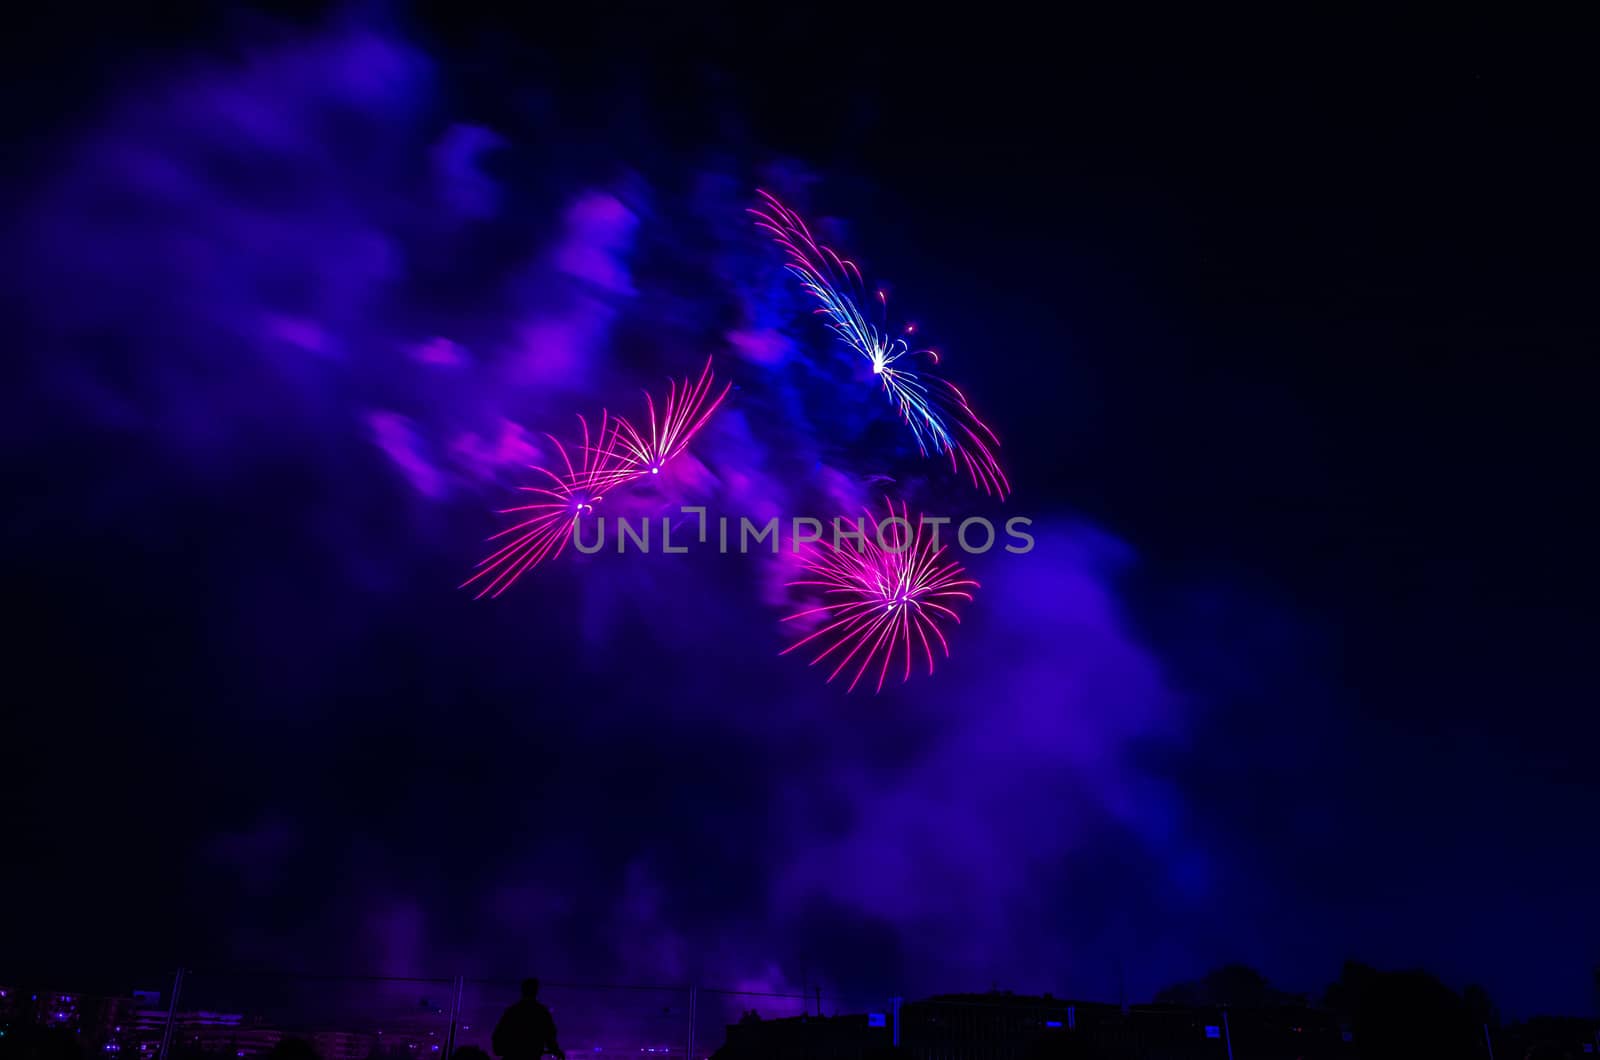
(883,602)
(686,410)
(570,495)
(939,416)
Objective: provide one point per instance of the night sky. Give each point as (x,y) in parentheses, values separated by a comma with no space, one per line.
(1287,329)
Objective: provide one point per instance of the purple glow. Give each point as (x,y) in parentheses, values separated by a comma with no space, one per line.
(883,601)
(356,368)
(549,523)
(396,436)
(617,454)
(938,414)
(669,431)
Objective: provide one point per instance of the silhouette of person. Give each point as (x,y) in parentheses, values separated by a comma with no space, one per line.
(526,1031)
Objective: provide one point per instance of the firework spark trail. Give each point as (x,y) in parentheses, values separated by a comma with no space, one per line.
(685,411)
(614,456)
(882,601)
(938,414)
(571,495)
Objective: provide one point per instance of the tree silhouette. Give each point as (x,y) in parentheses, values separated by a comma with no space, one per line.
(1237,985)
(1478,1006)
(1407,1014)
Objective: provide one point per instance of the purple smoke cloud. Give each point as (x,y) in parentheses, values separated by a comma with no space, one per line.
(243,267)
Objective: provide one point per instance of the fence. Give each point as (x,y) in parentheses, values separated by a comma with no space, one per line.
(203,1015)
(213,1015)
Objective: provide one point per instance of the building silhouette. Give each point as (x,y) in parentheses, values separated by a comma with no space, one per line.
(1004,1026)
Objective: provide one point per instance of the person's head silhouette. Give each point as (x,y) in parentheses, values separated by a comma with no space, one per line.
(530,989)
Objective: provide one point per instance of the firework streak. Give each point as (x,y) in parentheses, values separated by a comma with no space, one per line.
(881,602)
(682,416)
(613,457)
(938,414)
(570,494)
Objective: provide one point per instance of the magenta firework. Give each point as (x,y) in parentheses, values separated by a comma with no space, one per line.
(939,416)
(882,604)
(669,428)
(569,492)
(565,496)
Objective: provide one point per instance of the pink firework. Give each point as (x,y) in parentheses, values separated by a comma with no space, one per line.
(882,602)
(569,497)
(939,416)
(686,410)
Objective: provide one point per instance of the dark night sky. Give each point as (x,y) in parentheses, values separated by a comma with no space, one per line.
(1289,331)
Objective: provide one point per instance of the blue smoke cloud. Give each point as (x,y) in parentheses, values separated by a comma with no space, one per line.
(334,327)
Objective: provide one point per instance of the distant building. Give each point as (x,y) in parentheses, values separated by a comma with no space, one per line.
(998,1024)
(105,1027)
(10,1009)
(805,1038)
(1006,1026)
(1562,1035)
(124,1028)
(408,1040)
(342,1045)
(222,1034)
(56,1011)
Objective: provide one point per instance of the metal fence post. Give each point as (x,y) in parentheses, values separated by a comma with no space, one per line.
(455,1015)
(172,1015)
(694,999)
